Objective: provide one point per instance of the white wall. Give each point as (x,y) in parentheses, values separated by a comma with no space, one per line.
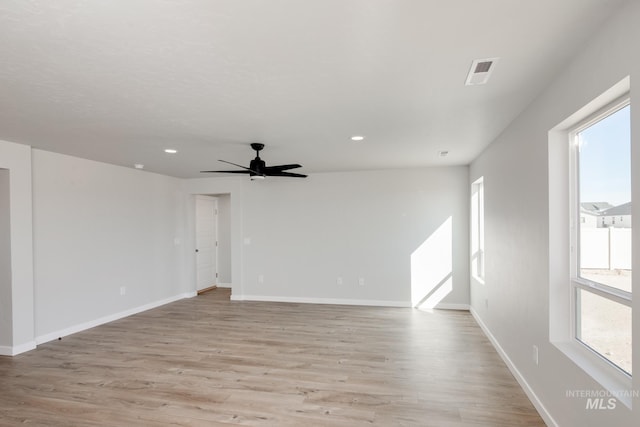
(224,239)
(18,336)
(97,228)
(304,234)
(514,302)
(6,320)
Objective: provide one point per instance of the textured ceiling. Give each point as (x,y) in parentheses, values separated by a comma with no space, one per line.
(118,81)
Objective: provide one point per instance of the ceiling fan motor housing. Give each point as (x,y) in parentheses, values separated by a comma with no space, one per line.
(258,166)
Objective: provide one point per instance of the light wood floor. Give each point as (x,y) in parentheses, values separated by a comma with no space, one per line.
(207,361)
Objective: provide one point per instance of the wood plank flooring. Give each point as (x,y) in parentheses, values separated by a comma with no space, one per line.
(207,361)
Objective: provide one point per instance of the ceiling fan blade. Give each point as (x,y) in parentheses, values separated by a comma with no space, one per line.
(258,169)
(280,168)
(248,170)
(244,171)
(289,174)
(235,164)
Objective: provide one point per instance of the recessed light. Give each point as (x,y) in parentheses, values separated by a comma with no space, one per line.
(357,138)
(170,150)
(443,153)
(138,166)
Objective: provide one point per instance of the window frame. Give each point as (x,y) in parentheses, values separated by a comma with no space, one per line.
(477,231)
(577,282)
(561,220)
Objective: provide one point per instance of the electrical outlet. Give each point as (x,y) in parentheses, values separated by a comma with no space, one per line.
(534,354)
(123,290)
(361,281)
(260,278)
(339,280)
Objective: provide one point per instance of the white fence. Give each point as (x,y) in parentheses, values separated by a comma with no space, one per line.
(605,248)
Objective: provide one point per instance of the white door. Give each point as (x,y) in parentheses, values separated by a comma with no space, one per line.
(206,241)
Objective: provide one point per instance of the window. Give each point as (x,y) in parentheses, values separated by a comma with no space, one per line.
(590,310)
(477,230)
(600,270)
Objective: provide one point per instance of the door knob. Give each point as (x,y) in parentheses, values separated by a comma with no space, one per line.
(197,250)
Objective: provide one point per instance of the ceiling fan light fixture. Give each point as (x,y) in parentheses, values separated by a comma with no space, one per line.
(170,150)
(357,138)
(257,177)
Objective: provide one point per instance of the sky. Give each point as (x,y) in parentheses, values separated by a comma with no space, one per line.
(605,160)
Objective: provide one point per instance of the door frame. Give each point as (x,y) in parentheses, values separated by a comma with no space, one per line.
(214,221)
(216,187)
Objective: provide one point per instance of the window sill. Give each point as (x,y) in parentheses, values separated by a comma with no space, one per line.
(614,381)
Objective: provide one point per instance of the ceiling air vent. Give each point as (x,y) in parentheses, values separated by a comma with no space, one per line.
(480,71)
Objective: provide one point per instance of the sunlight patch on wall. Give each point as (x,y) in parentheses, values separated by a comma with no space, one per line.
(432,268)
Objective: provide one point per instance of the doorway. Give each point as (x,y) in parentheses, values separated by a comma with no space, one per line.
(206,242)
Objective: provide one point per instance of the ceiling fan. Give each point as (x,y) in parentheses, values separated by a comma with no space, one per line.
(259,170)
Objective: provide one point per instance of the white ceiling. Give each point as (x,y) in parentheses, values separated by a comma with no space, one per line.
(118,81)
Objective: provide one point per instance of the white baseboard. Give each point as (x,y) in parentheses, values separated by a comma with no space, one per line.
(224,285)
(6,350)
(335,301)
(452,306)
(110,318)
(546,416)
